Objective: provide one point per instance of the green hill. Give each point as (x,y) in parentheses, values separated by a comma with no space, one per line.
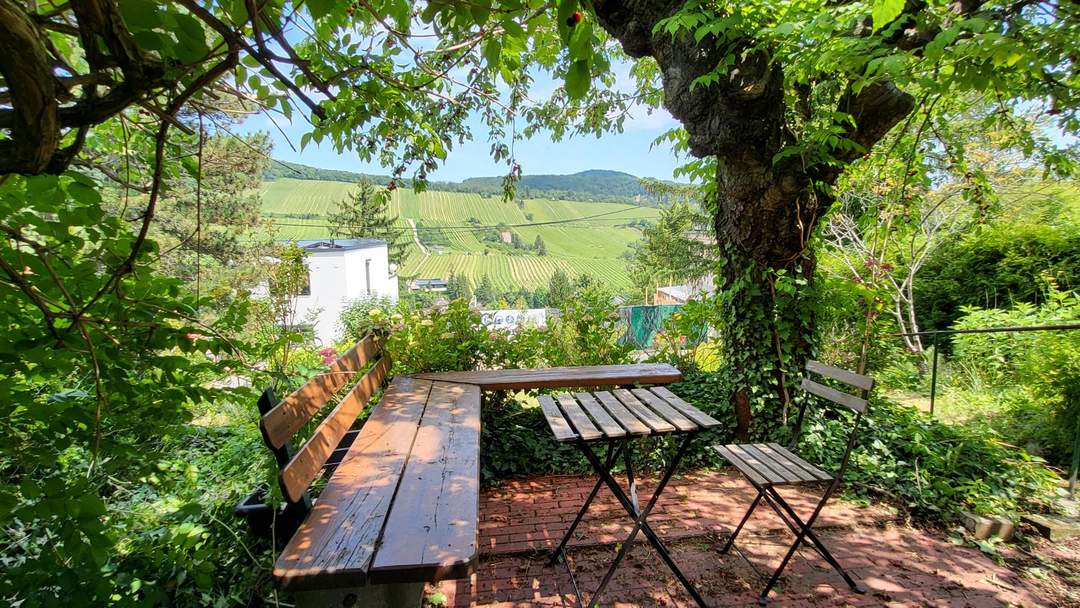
(594,185)
(459,232)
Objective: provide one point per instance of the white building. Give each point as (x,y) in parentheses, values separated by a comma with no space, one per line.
(340,272)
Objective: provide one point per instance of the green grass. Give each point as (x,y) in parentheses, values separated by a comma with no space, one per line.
(591,245)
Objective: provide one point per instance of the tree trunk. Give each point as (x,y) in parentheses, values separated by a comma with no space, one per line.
(765,211)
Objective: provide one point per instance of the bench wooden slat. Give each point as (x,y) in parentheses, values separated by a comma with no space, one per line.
(600,416)
(628,420)
(836,373)
(646,415)
(578,419)
(737,462)
(555,419)
(335,544)
(431,532)
(296,476)
(294,411)
(669,413)
(838,397)
(701,418)
(563,377)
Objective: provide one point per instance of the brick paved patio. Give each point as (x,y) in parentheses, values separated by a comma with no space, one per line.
(899,565)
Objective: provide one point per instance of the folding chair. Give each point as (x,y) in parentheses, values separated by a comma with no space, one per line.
(768,466)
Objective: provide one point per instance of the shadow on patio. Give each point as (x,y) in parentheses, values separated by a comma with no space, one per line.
(898,565)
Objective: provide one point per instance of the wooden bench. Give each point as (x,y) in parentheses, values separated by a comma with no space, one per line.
(401,508)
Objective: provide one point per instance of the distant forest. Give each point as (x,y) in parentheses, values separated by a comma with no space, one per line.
(594,185)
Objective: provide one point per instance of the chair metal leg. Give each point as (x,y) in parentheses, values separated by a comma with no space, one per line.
(808,533)
(612,455)
(749,512)
(640,523)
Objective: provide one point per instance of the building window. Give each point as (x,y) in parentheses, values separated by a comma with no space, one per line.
(367,275)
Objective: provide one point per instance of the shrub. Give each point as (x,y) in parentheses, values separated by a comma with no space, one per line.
(934,470)
(1039,372)
(587,332)
(999,266)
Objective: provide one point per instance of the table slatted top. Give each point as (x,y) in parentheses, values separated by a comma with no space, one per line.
(621,413)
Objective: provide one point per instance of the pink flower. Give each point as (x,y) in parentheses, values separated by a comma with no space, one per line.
(328,355)
(194,336)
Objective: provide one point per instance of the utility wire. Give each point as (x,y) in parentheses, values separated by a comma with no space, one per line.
(479,227)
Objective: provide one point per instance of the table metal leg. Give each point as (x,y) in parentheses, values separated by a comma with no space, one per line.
(631,485)
(612,455)
(640,523)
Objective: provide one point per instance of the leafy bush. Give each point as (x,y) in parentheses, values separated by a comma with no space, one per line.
(453,338)
(359,320)
(933,469)
(587,332)
(1036,374)
(999,266)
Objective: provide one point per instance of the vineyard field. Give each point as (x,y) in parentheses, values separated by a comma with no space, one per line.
(586,238)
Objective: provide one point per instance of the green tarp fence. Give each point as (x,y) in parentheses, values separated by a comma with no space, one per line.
(644,322)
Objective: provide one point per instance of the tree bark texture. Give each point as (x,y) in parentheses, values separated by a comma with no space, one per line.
(45,108)
(765,211)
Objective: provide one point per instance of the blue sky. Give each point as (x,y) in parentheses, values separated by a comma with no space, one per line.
(630,151)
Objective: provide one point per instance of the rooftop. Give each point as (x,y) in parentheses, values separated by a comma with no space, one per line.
(340,244)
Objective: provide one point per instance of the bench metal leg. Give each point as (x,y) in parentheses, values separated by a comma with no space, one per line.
(399,595)
(640,523)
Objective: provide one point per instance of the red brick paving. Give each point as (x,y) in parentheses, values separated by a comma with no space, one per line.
(898,565)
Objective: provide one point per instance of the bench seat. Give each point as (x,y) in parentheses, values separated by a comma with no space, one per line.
(402,505)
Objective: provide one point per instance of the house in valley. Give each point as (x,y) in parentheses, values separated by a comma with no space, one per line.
(341,271)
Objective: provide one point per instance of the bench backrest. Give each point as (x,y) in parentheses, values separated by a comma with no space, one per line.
(280,423)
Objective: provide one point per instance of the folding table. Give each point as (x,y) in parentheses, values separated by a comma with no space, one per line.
(616,419)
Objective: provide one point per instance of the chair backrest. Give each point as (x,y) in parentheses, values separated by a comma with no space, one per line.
(281,422)
(856,403)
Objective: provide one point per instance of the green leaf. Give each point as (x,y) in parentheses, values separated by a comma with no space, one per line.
(885,11)
(191,29)
(481,10)
(577,79)
(140,14)
(151,41)
(320,8)
(492,50)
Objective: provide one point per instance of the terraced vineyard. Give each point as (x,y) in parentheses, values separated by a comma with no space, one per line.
(581,238)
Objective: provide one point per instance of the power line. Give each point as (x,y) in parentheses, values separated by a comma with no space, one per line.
(481,227)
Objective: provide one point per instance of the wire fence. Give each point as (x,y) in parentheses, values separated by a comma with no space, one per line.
(934,335)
